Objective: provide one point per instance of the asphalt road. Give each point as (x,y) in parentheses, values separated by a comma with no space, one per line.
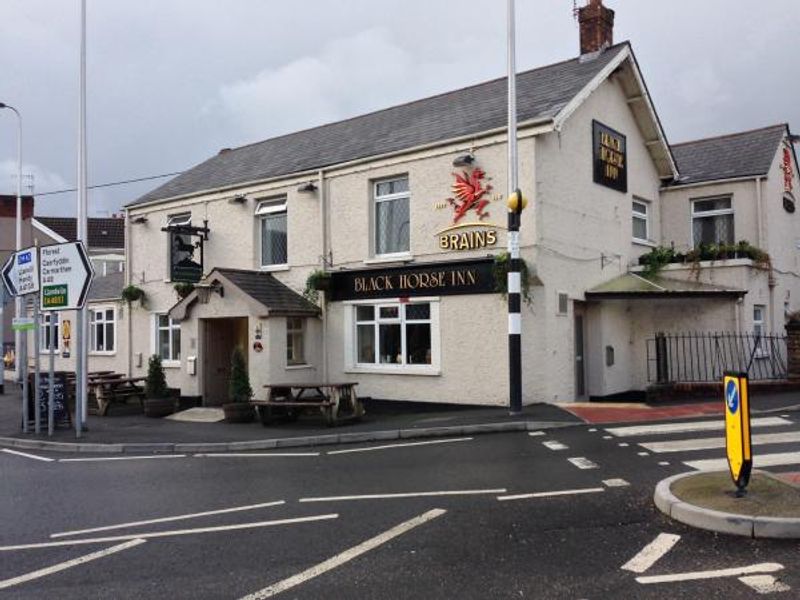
(330,543)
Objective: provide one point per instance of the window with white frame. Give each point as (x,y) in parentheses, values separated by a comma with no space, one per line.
(272,215)
(44,332)
(712,221)
(392,216)
(640,221)
(295,341)
(102,329)
(397,334)
(759,328)
(168,338)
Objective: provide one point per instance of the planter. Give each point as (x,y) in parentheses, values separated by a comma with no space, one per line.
(239,412)
(322,284)
(159,407)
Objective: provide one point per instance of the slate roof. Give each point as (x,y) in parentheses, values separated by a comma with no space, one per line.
(107,288)
(103,232)
(746,154)
(542,93)
(632,286)
(266,289)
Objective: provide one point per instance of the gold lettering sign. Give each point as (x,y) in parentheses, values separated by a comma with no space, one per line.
(610,157)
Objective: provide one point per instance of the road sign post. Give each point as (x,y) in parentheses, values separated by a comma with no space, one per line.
(737,429)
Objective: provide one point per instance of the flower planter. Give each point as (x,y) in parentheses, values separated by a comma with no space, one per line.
(159,407)
(239,412)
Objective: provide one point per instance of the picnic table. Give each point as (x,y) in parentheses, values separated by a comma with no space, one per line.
(335,401)
(115,387)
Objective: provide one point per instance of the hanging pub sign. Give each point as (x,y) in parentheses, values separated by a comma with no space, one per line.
(610,156)
(788,171)
(183,247)
(431,279)
(469,229)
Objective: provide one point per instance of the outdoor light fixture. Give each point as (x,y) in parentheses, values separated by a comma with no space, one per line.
(307,188)
(204,291)
(466,160)
(238,199)
(139,220)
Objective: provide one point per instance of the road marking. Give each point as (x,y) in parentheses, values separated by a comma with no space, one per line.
(734,572)
(592,430)
(536,433)
(685,427)
(26,455)
(652,553)
(764,584)
(7,583)
(719,442)
(344,557)
(664,463)
(403,495)
(762,460)
(105,458)
(615,483)
(608,437)
(404,445)
(176,532)
(256,454)
(643,453)
(554,445)
(220,511)
(583,463)
(551,494)
(623,444)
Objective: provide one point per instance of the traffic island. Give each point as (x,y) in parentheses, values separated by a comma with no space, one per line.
(708,500)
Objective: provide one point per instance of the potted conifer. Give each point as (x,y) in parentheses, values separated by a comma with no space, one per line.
(238,408)
(159,402)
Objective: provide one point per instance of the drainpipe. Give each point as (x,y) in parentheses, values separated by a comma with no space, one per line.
(324,263)
(759,215)
(127,280)
(763,242)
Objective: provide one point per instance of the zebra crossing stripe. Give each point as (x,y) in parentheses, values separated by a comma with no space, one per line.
(688,427)
(760,460)
(787,437)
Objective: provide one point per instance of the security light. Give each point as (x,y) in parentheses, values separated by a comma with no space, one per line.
(464,161)
(307,188)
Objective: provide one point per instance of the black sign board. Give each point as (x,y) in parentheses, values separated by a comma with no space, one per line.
(610,156)
(431,279)
(61,416)
(184,264)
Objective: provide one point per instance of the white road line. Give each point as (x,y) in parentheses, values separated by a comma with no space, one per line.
(608,437)
(786,437)
(176,532)
(583,463)
(764,584)
(615,483)
(344,557)
(592,430)
(663,463)
(643,453)
(105,458)
(7,583)
(26,455)
(652,553)
(256,454)
(623,444)
(686,427)
(551,494)
(404,445)
(759,461)
(734,572)
(207,513)
(554,445)
(404,495)
(537,433)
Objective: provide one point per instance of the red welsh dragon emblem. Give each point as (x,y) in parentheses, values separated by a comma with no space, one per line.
(469,192)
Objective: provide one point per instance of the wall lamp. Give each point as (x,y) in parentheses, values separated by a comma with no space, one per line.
(238,199)
(204,291)
(466,160)
(139,220)
(308,188)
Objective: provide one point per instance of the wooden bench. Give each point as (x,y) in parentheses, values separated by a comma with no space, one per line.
(115,389)
(335,401)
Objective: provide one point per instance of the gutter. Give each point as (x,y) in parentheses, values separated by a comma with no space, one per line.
(684,186)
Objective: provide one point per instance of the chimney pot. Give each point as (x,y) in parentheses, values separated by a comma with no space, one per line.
(597,27)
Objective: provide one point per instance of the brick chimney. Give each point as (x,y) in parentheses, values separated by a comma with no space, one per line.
(597,26)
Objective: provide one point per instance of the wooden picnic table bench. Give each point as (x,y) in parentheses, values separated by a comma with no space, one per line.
(109,390)
(335,401)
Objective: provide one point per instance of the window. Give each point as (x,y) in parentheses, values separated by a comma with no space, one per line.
(392,216)
(168,338)
(274,247)
(295,336)
(102,330)
(394,334)
(641,229)
(712,221)
(759,314)
(44,332)
(563,303)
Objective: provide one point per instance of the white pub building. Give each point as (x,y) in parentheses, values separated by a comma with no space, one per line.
(400,216)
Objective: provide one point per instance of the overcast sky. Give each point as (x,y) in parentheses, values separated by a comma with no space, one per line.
(170,82)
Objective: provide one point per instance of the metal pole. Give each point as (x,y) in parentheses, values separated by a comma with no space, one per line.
(37,409)
(81,345)
(2,339)
(51,367)
(22,359)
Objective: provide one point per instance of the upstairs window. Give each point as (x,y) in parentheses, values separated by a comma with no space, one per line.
(640,221)
(392,216)
(273,218)
(712,221)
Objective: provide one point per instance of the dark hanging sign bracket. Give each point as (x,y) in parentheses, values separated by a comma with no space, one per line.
(183,266)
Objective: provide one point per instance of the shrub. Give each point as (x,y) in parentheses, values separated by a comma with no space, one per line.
(239,389)
(155,385)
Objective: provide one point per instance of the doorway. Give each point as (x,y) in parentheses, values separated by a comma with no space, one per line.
(580,352)
(220,337)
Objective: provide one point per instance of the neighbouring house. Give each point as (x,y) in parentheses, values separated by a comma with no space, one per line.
(105,239)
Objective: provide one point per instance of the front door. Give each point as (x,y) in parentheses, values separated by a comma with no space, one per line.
(580,356)
(220,338)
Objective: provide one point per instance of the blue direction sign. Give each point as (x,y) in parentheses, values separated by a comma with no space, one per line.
(21,272)
(737,428)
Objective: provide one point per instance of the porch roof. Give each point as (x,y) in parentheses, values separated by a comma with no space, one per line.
(632,287)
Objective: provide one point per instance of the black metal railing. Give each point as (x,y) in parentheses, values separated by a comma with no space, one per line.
(704,356)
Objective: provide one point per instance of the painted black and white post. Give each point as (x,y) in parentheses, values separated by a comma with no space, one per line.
(515,206)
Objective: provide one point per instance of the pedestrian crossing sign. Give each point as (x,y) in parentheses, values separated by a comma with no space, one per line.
(737,428)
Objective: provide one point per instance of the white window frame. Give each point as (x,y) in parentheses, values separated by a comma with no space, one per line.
(291,331)
(378,199)
(351,340)
(643,216)
(44,332)
(760,328)
(710,213)
(172,326)
(93,310)
(264,209)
